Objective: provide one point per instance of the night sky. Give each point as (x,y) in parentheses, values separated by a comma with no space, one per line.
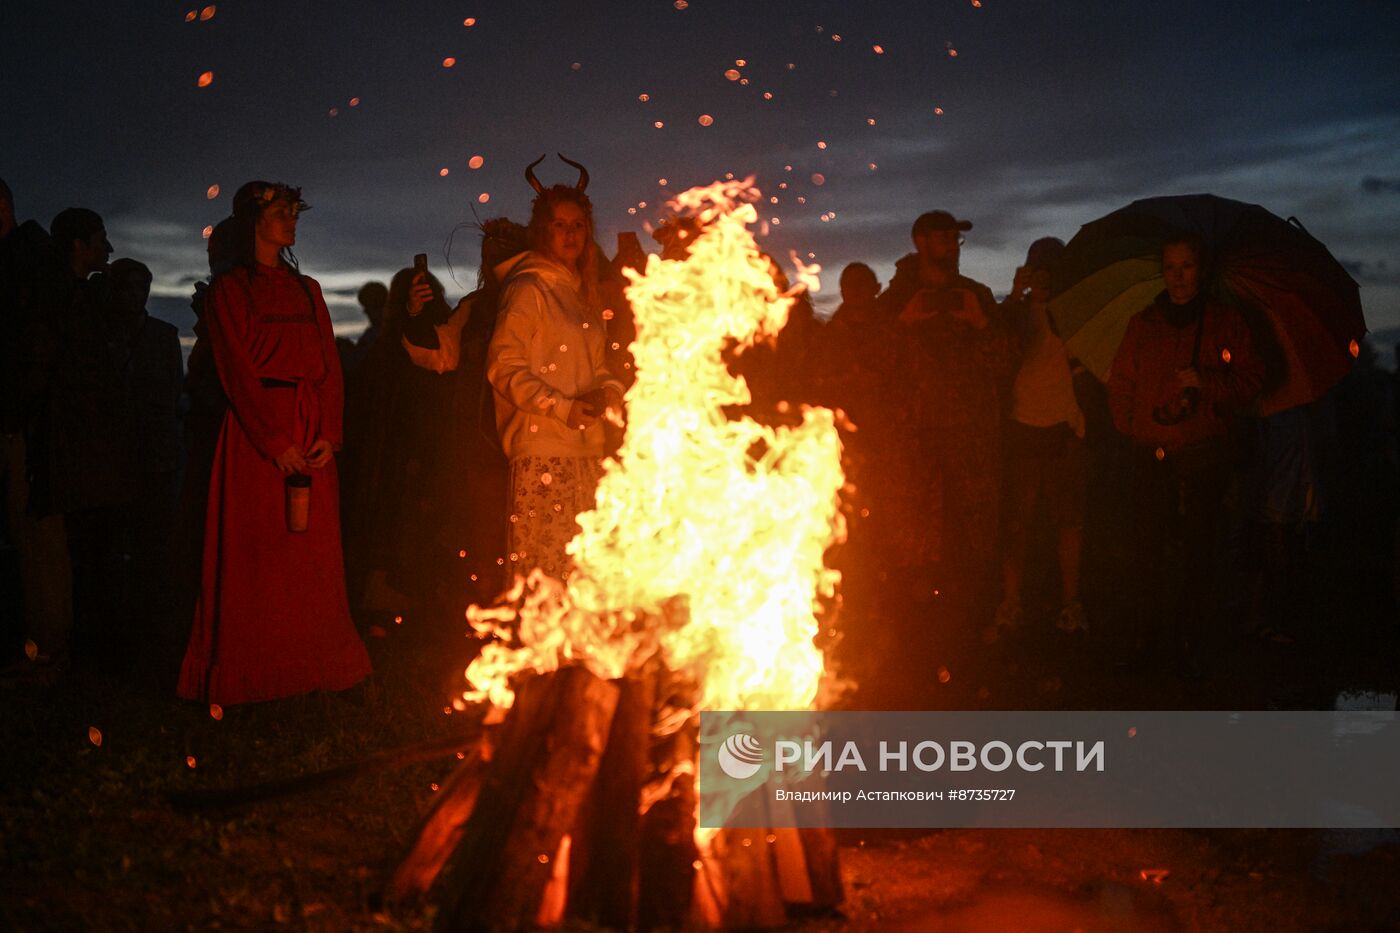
(1052,114)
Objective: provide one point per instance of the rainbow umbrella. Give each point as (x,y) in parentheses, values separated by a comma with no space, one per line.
(1304,310)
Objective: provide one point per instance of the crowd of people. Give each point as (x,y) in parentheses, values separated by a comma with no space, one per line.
(286,483)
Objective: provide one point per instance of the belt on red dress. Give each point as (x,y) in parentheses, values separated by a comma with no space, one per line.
(269,383)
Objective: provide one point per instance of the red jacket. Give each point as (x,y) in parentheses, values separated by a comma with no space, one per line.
(1143,376)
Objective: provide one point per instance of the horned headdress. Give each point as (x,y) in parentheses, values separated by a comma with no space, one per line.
(581,185)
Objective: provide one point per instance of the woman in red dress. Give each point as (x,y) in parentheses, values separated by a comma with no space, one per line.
(272,618)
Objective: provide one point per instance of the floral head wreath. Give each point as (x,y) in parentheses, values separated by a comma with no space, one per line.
(259,194)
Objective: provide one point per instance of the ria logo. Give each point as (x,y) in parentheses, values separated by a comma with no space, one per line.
(740,756)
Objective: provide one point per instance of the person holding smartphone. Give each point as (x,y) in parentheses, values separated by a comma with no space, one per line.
(548,369)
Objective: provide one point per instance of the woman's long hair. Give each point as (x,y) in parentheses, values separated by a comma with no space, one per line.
(542,213)
(241,234)
(396,308)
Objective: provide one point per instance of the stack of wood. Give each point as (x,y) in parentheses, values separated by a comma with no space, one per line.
(583,808)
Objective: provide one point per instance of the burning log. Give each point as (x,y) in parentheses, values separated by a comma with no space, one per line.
(530,800)
(587,812)
(757,878)
(604,859)
(441,830)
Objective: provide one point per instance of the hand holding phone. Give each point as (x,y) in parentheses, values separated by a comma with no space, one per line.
(419,292)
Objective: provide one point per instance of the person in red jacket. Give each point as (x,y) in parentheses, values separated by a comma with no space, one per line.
(272,619)
(1185,367)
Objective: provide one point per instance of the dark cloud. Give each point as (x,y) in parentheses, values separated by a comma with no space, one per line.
(1372,272)
(1373,185)
(1054,114)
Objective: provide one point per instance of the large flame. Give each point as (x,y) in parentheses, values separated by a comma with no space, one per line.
(706,541)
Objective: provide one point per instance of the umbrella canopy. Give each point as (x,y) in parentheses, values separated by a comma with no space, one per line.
(1304,310)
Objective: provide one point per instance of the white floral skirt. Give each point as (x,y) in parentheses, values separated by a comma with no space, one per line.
(546,496)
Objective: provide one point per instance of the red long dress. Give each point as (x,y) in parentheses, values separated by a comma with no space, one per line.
(272,618)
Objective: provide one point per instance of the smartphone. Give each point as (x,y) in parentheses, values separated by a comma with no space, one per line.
(420,264)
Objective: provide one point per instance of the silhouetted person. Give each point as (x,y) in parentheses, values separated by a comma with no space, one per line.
(1283,500)
(479,502)
(622,325)
(30,287)
(153,373)
(954,369)
(372,297)
(1186,366)
(204,415)
(1046,461)
(91,425)
(852,368)
(398,415)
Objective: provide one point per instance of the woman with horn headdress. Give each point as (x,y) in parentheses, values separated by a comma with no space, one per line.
(546,365)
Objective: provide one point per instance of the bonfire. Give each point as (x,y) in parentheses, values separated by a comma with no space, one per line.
(698,584)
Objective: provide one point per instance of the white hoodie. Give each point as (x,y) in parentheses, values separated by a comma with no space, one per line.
(547,350)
